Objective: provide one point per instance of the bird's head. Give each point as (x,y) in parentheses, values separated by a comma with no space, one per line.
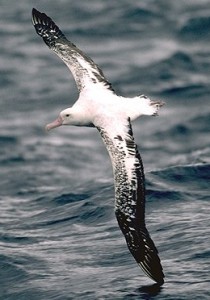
(64,118)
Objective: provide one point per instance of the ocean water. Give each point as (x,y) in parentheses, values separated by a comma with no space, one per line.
(58,236)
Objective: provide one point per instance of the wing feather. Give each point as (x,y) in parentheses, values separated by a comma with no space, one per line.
(130,197)
(83,68)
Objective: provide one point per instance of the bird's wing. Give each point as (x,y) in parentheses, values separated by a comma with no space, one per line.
(130,194)
(83,68)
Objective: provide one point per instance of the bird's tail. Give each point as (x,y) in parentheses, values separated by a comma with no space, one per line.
(46,28)
(148,107)
(155,106)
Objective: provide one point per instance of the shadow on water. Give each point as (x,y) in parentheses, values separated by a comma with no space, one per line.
(145,292)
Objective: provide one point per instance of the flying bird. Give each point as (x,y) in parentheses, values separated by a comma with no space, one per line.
(99,106)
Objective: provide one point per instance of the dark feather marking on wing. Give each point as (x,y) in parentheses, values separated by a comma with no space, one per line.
(141,247)
(101,78)
(67,51)
(46,28)
(130,204)
(130,195)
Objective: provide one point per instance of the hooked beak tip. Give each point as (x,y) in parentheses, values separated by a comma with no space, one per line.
(54,124)
(47,128)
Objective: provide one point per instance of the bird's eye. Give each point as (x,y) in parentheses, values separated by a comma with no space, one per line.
(67,115)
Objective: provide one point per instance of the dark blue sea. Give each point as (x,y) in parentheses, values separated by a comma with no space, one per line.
(59,238)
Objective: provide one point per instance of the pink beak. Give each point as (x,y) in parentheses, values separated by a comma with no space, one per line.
(58,122)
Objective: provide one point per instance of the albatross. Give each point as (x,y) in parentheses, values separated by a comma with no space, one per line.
(99,106)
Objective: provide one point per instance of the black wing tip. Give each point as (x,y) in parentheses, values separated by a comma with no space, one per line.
(142,248)
(154,271)
(38,17)
(34,10)
(150,262)
(46,28)
(159,279)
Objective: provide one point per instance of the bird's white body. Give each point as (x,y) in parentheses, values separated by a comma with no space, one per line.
(89,108)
